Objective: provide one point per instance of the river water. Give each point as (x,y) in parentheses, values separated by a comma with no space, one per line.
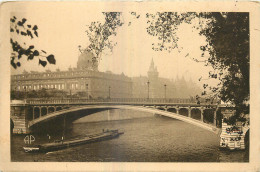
(147,138)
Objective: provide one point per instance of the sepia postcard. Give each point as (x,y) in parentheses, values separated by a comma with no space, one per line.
(129,86)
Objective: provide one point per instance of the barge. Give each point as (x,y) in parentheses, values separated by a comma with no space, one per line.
(61,144)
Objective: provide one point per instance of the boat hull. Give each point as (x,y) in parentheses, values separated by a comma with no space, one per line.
(49,147)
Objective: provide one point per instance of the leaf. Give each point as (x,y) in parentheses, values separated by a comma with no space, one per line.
(35,27)
(30,57)
(36,33)
(11,30)
(28,52)
(19,23)
(13,64)
(23,20)
(29,33)
(23,33)
(31,47)
(43,63)
(19,56)
(21,52)
(51,59)
(29,26)
(36,53)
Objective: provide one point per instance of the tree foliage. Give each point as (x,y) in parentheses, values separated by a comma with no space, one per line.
(42,93)
(227,37)
(99,34)
(46,93)
(22,28)
(228,46)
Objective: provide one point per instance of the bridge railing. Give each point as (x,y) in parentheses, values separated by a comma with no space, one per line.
(111,100)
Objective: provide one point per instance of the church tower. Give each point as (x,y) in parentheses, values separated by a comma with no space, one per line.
(152,72)
(153,79)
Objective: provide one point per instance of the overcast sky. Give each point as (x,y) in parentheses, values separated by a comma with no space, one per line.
(62,28)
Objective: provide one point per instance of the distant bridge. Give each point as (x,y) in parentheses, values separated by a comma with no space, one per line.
(36,111)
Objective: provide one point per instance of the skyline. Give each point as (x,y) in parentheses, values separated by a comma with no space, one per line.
(62,32)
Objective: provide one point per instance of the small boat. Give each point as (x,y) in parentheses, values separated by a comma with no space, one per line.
(61,144)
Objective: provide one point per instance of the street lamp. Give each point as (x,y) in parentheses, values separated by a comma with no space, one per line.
(165,90)
(25,92)
(109,92)
(87,90)
(148,88)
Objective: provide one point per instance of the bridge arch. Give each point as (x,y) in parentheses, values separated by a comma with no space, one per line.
(208,116)
(51,109)
(173,110)
(160,108)
(184,111)
(66,107)
(196,113)
(77,110)
(44,111)
(36,112)
(58,108)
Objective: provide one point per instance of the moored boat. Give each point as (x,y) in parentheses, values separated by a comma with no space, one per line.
(61,144)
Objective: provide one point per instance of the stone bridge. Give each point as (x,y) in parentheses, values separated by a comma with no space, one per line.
(28,113)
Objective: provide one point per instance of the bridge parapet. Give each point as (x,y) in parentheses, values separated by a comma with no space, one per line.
(132,101)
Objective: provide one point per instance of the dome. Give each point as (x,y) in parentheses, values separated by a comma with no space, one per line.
(86,61)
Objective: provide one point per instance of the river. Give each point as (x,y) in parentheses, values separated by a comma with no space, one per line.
(147,138)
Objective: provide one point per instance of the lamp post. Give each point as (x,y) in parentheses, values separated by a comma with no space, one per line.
(87,90)
(165,91)
(148,82)
(25,92)
(109,92)
(70,95)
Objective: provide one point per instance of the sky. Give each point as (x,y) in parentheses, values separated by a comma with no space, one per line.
(62,29)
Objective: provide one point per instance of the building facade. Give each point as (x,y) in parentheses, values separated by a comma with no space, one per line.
(84,78)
